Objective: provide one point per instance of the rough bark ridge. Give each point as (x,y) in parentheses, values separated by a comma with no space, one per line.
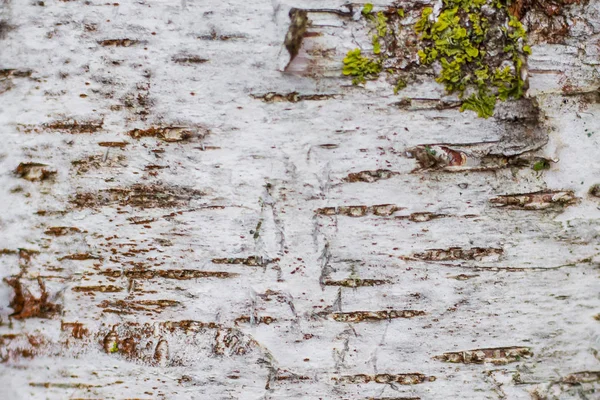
(183,219)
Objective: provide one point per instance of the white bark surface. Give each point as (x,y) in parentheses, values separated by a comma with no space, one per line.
(223,257)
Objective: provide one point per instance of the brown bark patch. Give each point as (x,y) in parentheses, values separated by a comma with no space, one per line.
(168,134)
(34,171)
(66,126)
(372,316)
(143,196)
(536,201)
(76,329)
(98,288)
(370,176)
(497,356)
(437,157)
(179,274)
(80,257)
(582,377)
(25,305)
(131,306)
(252,261)
(15,73)
(98,161)
(188,59)
(422,216)
(356,282)
(118,42)
(61,230)
(113,144)
(457,253)
(360,211)
(402,379)
(292,97)
(246,319)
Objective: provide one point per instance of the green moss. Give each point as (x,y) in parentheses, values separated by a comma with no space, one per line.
(400,84)
(114,348)
(518,32)
(541,165)
(382,28)
(376,44)
(478,53)
(482,103)
(359,67)
(429,151)
(424,23)
(459,39)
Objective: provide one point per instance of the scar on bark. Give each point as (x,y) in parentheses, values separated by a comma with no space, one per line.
(295,33)
(25,305)
(33,172)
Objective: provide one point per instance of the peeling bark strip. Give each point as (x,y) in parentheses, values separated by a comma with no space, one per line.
(293,97)
(498,356)
(457,253)
(34,172)
(360,211)
(371,316)
(143,196)
(536,201)
(179,274)
(402,379)
(448,158)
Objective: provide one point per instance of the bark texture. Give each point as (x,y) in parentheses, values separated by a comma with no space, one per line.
(188,214)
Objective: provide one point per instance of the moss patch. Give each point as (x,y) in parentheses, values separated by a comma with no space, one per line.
(477,46)
(360,68)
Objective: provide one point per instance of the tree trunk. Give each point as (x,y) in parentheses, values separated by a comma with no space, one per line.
(195,207)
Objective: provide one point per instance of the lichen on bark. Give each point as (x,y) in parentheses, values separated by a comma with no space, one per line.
(477,49)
